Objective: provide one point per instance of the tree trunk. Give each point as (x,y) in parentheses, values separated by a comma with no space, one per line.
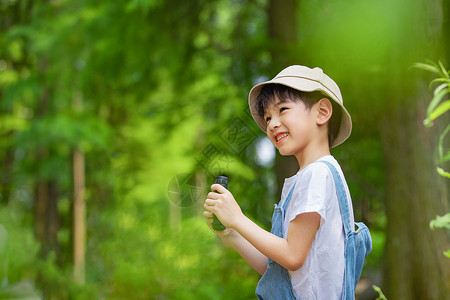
(79,215)
(415,265)
(415,194)
(46,222)
(283,31)
(79,204)
(14,14)
(47,217)
(6,175)
(40,211)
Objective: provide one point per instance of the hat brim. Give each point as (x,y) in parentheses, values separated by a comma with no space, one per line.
(304,85)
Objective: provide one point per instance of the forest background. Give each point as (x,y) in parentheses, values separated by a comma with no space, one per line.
(116,115)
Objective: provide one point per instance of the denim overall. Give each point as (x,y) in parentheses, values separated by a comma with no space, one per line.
(358,244)
(276,281)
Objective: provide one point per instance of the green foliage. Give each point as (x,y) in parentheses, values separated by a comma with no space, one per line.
(23,290)
(441,222)
(183,263)
(142,88)
(381,296)
(17,256)
(437,108)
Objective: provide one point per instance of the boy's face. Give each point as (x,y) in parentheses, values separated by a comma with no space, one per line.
(290,126)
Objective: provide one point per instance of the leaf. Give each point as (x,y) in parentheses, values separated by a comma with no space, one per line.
(442,172)
(447,80)
(381,296)
(440,88)
(447,253)
(436,99)
(441,141)
(441,222)
(427,67)
(444,158)
(427,123)
(440,110)
(443,70)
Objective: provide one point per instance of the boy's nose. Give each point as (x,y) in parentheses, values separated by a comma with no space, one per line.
(273,124)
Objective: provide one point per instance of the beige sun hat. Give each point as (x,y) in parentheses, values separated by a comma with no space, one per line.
(306,80)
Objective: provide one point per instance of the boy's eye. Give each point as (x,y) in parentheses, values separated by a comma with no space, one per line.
(283,109)
(267,119)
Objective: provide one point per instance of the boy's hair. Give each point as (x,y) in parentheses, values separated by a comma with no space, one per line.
(285,93)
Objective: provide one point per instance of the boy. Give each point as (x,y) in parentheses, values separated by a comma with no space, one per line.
(301,110)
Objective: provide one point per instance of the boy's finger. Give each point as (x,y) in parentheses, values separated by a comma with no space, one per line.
(217,187)
(209,205)
(208,214)
(213,195)
(210,202)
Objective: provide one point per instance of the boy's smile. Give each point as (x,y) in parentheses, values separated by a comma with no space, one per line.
(280,136)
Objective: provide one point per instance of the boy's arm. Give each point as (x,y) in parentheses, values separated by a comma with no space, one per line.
(247,251)
(290,253)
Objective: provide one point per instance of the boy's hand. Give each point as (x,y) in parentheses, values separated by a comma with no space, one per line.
(226,235)
(223,205)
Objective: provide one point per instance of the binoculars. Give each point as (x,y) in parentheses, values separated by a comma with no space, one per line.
(223,181)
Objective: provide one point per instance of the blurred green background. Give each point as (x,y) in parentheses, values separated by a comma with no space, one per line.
(116,115)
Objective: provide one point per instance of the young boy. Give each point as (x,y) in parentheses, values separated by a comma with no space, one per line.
(301,110)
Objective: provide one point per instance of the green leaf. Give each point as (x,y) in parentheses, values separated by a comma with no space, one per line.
(443,70)
(427,67)
(381,296)
(441,222)
(441,141)
(442,172)
(441,109)
(444,158)
(447,80)
(427,123)
(447,253)
(440,88)
(435,101)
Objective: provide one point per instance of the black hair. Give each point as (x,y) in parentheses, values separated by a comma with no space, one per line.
(271,91)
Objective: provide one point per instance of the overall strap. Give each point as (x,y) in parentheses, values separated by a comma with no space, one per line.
(288,198)
(342,196)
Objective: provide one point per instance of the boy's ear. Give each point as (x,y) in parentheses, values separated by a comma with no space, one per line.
(325,110)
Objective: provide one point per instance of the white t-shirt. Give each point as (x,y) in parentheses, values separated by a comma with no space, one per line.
(321,276)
